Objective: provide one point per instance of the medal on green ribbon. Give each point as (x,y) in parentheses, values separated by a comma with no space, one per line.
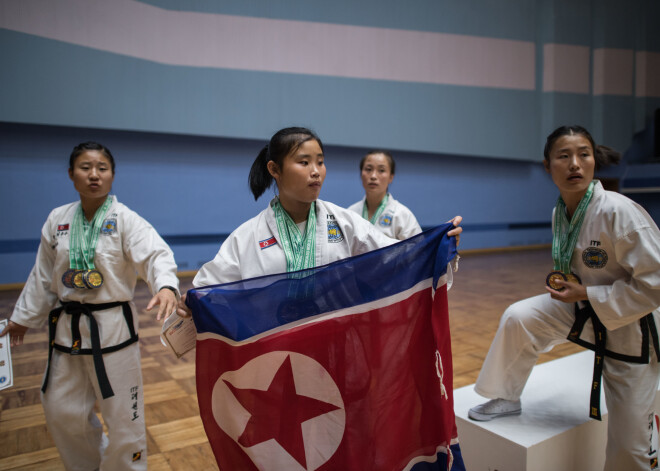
(564,238)
(299,249)
(379,211)
(82,248)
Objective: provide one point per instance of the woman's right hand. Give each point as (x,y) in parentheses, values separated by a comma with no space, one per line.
(16,333)
(181,309)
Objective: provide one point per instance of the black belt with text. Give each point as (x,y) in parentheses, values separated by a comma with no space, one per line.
(582,315)
(77,310)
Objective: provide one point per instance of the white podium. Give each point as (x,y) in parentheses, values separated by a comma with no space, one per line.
(554,431)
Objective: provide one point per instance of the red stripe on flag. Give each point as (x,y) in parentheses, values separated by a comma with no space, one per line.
(354,392)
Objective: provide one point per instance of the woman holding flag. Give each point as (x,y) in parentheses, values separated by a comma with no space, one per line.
(603,293)
(378,206)
(297,230)
(82,285)
(261,425)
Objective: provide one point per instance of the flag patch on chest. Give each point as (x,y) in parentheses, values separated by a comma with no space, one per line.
(264,244)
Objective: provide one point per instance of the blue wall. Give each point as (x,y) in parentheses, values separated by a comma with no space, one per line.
(194,189)
(466,124)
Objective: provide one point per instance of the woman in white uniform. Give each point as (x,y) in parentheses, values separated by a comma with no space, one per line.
(297,230)
(82,285)
(378,206)
(604,294)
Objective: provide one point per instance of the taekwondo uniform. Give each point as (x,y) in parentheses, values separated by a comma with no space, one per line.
(396,221)
(80,370)
(254,248)
(617,257)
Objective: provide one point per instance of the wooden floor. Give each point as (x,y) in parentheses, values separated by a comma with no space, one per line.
(483,287)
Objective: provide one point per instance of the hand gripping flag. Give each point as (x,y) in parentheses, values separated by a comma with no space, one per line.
(346,366)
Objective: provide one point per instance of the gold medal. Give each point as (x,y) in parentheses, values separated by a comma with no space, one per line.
(67,278)
(92,279)
(573,278)
(553,277)
(77,281)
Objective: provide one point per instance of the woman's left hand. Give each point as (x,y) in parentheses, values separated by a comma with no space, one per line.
(572,292)
(458,229)
(166,301)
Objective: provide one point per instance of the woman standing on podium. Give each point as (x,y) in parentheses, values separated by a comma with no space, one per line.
(378,206)
(82,286)
(603,293)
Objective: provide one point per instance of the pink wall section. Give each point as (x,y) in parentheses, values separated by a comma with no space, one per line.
(221,41)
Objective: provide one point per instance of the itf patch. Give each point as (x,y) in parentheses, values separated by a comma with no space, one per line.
(109,226)
(334,232)
(593,257)
(386,220)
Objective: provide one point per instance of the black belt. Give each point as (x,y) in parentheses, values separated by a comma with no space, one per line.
(647,324)
(77,309)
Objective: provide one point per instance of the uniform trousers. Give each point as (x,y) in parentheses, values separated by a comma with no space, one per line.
(69,402)
(535,325)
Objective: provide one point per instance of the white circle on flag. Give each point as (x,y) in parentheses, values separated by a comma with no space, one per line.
(321,434)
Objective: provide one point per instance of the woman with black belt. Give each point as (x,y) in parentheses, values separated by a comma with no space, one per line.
(82,283)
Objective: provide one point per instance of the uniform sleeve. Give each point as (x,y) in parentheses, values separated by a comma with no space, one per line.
(631,298)
(150,254)
(224,268)
(37,299)
(409,226)
(364,235)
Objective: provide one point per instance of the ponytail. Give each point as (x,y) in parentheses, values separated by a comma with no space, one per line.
(260,178)
(606,156)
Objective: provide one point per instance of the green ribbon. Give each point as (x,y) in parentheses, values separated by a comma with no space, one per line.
(379,211)
(85,236)
(299,249)
(565,234)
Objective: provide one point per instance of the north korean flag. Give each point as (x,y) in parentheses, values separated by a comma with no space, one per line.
(346,366)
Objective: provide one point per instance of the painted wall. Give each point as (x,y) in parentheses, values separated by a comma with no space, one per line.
(464,94)
(194,189)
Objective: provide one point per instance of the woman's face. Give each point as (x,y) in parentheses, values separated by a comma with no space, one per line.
(376,174)
(571,164)
(302,173)
(92,175)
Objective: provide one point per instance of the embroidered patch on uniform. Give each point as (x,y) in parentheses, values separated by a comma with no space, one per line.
(62,227)
(137,456)
(385,220)
(264,244)
(334,232)
(109,227)
(594,257)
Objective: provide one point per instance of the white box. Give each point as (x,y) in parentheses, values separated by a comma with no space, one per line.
(554,431)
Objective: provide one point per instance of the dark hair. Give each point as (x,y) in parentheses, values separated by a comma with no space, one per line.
(91,145)
(603,155)
(389,157)
(284,142)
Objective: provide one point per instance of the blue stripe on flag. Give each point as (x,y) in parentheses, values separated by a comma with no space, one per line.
(238,307)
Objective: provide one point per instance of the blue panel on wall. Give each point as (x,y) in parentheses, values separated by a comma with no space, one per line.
(118,92)
(194,189)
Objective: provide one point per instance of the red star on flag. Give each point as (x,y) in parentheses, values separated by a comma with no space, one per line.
(278,413)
